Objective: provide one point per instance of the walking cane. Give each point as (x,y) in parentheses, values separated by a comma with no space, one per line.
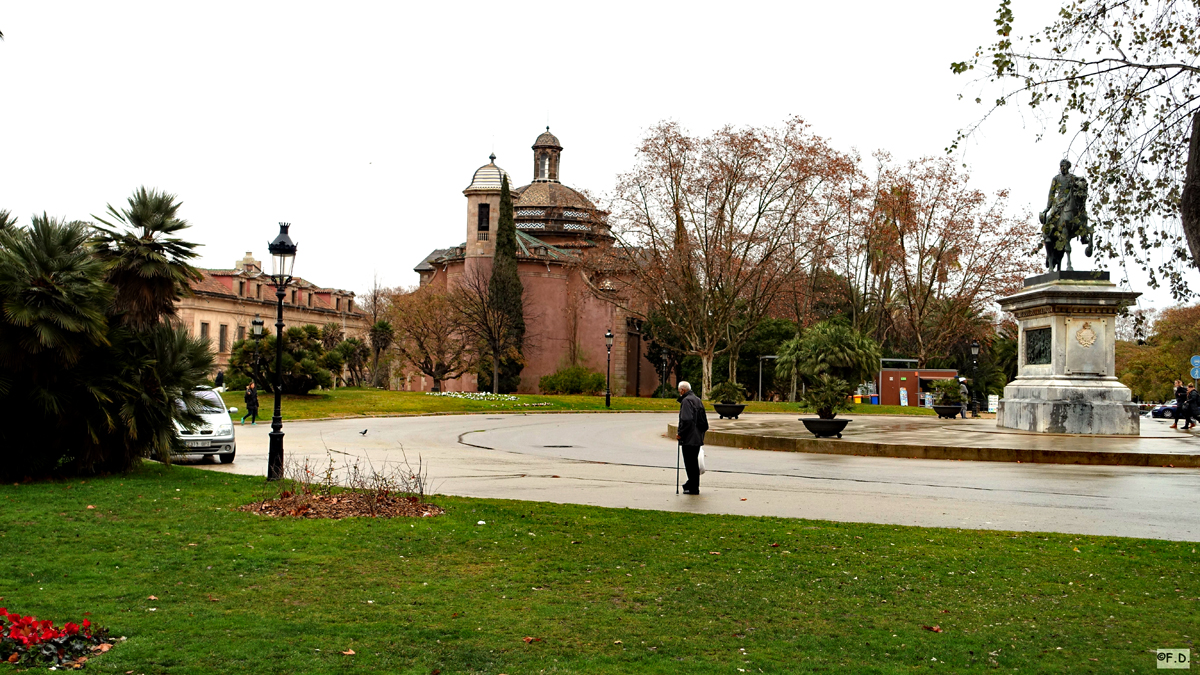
(678,452)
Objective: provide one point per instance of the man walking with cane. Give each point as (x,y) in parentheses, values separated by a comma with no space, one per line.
(692,424)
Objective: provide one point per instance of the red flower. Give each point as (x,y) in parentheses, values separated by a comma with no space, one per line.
(71,628)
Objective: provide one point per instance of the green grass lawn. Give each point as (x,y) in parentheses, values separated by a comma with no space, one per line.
(598,590)
(374,402)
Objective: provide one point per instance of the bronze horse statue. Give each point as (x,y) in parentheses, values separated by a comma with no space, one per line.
(1065,218)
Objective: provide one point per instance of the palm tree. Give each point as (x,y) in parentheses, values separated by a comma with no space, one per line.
(148,265)
(382,335)
(52,324)
(7,220)
(52,292)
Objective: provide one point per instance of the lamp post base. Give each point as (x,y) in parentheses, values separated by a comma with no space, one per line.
(275,454)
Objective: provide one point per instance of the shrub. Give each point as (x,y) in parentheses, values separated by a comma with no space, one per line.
(727,392)
(573,380)
(946,392)
(828,396)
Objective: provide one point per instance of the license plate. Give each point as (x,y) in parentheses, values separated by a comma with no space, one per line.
(198,444)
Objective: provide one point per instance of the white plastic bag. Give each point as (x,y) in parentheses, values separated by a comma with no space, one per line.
(700,460)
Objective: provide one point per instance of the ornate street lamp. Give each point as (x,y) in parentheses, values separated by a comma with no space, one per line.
(256,327)
(283,257)
(608,338)
(974,380)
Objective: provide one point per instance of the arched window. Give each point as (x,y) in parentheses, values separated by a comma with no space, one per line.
(544,168)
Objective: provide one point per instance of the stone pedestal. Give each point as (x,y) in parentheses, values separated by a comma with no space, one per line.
(1065,358)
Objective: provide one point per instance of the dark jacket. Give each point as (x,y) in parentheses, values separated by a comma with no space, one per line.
(1180,395)
(252,399)
(692,420)
(1193,403)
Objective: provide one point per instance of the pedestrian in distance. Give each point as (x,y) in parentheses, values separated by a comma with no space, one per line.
(219,381)
(1181,396)
(692,424)
(964,395)
(1191,407)
(251,404)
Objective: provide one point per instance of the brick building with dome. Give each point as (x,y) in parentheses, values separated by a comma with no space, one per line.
(567,316)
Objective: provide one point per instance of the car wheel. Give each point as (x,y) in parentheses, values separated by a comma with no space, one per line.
(227,459)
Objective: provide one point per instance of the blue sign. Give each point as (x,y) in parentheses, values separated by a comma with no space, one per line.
(1196,361)
(1196,373)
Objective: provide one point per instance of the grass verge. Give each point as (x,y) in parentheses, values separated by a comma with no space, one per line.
(594,590)
(353,401)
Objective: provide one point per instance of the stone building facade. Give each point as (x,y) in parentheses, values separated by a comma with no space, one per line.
(225,301)
(567,313)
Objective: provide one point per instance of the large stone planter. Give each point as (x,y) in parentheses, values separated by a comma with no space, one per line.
(825,428)
(730,410)
(1065,370)
(947,411)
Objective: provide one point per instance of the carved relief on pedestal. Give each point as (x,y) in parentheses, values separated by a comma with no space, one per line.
(1085,336)
(1087,350)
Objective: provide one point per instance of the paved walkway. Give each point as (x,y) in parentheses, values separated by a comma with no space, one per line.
(624,460)
(963,439)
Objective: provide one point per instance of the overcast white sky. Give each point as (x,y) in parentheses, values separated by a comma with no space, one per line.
(361,123)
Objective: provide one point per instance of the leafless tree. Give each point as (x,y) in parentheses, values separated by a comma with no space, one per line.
(484,322)
(714,229)
(430,334)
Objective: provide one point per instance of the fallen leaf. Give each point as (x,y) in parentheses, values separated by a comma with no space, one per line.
(152,598)
(574,542)
(774,545)
(12,658)
(436,671)
(102,647)
(936,629)
(90,506)
(617,642)
(349,652)
(531,639)
(714,553)
(743,499)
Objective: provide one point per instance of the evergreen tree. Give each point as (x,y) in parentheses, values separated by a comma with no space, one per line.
(506,292)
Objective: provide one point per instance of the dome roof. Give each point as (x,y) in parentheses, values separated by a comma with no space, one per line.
(551,194)
(547,140)
(488,176)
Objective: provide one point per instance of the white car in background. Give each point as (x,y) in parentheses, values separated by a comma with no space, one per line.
(214,437)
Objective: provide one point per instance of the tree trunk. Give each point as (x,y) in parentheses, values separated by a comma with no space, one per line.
(792,396)
(733,360)
(1189,203)
(706,365)
(495,373)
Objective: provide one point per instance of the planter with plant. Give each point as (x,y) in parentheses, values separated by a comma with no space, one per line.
(827,397)
(833,358)
(727,399)
(947,398)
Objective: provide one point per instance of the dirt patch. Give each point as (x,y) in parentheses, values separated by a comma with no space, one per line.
(344,505)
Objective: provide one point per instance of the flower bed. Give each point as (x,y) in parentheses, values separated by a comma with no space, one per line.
(25,641)
(473,396)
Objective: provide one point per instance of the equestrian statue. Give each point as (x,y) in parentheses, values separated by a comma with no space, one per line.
(1065,218)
